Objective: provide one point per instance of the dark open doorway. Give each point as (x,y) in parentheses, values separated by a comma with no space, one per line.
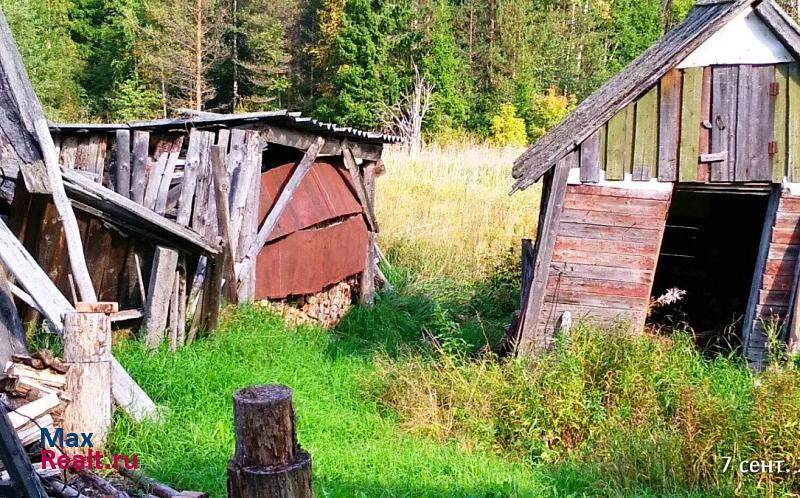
(709,250)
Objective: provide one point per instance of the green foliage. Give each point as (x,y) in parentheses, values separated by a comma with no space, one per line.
(642,412)
(546,111)
(132,100)
(54,61)
(507,128)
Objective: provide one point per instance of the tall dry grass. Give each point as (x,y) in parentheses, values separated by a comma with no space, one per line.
(448,212)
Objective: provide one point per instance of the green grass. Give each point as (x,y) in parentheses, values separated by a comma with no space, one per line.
(357,447)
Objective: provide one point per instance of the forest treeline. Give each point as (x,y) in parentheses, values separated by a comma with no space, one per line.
(339,60)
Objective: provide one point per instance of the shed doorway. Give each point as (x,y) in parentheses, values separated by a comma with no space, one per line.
(709,251)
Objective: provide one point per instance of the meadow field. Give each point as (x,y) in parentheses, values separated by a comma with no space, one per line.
(405,399)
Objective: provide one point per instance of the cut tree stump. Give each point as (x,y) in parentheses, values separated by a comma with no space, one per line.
(268,462)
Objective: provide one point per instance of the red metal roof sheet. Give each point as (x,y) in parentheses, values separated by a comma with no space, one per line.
(307,261)
(326,193)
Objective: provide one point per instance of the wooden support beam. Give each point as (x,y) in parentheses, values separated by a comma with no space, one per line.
(280,205)
(159,293)
(550,219)
(367,280)
(87,351)
(358,183)
(123,163)
(304,140)
(141,151)
(222,191)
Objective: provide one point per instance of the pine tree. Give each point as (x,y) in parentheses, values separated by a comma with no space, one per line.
(184,41)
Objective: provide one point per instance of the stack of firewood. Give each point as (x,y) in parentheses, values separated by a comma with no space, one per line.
(33,389)
(325,309)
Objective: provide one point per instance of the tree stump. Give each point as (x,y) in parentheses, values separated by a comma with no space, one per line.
(268,462)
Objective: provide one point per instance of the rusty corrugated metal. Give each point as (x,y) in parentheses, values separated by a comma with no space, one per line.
(307,261)
(325,193)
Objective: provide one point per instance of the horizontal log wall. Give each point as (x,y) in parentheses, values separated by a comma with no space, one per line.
(702,125)
(605,256)
(778,277)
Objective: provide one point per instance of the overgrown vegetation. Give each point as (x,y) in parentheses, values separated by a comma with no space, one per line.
(404,399)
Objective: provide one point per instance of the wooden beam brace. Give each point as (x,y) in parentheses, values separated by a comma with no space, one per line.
(361,192)
(545,245)
(280,205)
(222,191)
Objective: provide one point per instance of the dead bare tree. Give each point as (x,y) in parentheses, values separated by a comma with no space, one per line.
(405,117)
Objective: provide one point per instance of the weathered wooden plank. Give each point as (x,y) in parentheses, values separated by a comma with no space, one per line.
(603,273)
(222,189)
(645,155)
(603,232)
(156,173)
(68,151)
(669,125)
(557,284)
(793,146)
(359,184)
(367,281)
(615,146)
(199,141)
(617,205)
(244,204)
(703,168)
(162,279)
(123,173)
(591,158)
(586,299)
(591,315)
(750,336)
(785,236)
(169,172)
(531,338)
(630,128)
(661,195)
(691,121)
(756,111)
(773,297)
(141,150)
(790,205)
(607,218)
(528,258)
(609,246)
(781,127)
(247,233)
(779,283)
(779,267)
(783,251)
(635,262)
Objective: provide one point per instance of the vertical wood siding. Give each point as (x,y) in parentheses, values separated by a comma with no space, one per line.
(705,124)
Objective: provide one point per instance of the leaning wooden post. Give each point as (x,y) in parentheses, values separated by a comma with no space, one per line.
(268,462)
(87,351)
(367,283)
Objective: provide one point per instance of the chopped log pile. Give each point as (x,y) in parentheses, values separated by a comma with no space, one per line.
(325,309)
(33,387)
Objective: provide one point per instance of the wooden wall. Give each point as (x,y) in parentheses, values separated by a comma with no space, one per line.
(700,125)
(775,273)
(606,250)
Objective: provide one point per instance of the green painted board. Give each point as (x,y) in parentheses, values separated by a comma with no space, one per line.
(616,146)
(691,120)
(645,152)
(781,123)
(630,126)
(793,141)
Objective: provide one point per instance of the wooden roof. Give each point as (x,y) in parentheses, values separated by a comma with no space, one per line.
(707,17)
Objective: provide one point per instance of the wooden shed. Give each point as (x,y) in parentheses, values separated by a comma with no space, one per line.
(682,172)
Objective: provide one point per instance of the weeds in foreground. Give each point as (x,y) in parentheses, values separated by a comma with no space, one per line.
(640,410)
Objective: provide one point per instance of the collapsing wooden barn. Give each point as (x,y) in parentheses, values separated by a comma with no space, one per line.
(682,172)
